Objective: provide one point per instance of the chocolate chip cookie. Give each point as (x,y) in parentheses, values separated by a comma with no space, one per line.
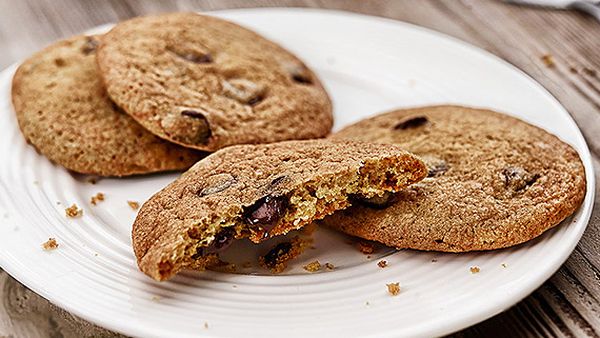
(494,181)
(261,191)
(206,83)
(64,112)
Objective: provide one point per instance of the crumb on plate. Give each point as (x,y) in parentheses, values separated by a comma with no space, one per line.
(393,288)
(329,266)
(133,205)
(73,211)
(475,269)
(50,244)
(382,263)
(312,266)
(99,197)
(366,247)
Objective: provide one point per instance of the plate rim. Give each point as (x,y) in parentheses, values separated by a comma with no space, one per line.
(448,325)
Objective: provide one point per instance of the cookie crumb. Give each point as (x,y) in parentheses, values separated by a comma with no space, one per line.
(366,247)
(329,266)
(548,60)
(155,298)
(96,254)
(133,205)
(50,244)
(382,264)
(589,71)
(206,325)
(475,269)
(367,303)
(277,258)
(393,288)
(312,266)
(434,260)
(504,265)
(234,286)
(99,197)
(73,211)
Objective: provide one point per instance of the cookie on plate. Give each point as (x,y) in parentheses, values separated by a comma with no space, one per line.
(206,83)
(64,112)
(261,191)
(494,181)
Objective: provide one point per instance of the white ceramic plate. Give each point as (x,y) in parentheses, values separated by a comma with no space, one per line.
(368,65)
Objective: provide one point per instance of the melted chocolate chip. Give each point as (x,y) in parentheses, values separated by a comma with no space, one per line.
(222,184)
(375,202)
(224,238)
(244,91)
(301,78)
(436,167)
(518,178)
(278,180)
(273,257)
(196,58)
(266,211)
(90,45)
(201,126)
(413,122)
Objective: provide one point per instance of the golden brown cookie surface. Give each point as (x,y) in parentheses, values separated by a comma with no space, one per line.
(207,83)
(494,181)
(64,112)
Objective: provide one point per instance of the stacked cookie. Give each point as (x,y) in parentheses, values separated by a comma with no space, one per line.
(160,93)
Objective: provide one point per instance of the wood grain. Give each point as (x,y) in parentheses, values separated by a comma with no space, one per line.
(566,305)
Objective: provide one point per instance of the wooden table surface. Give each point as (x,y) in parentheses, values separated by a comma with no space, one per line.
(566,305)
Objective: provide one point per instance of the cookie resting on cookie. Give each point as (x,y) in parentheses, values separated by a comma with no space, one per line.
(494,181)
(261,191)
(207,83)
(65,113)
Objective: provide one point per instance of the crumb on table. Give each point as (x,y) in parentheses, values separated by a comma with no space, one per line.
(393,288)
(50,244)
(133,205)
(475,269)
(73,211)
(382,263)
(312,266)
(99,197)
(548,60)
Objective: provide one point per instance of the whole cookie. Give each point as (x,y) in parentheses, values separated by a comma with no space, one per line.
(494,181)
(64,112)
(206,83)
(261,191)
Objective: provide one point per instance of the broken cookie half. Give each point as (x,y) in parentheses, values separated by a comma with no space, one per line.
(261,191)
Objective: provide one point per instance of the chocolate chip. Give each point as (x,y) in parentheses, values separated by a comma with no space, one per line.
(299,73)
(435,166)
(375,202)
(518,178)
(217,184)
(194,54)
(224,238)
(197,130)
(413,122)
(266,211)
(90,45)
(244,91)
(59,62)
(274,256)
(278,180)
